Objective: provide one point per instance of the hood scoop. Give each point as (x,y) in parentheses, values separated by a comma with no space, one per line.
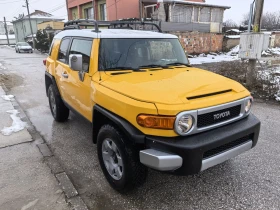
(209,94)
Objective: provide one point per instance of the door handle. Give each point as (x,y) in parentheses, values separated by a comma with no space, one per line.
(65,75)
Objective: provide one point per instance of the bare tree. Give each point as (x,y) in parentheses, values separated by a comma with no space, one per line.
(230,24)
(245,19)
(270,20)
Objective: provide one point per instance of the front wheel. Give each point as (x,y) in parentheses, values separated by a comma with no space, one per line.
(59,111)
(119,161)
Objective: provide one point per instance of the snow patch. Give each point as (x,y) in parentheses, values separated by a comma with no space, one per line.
(2,66)
(17,125)
(233,36)
(7,97)
(277,96)
(232,55)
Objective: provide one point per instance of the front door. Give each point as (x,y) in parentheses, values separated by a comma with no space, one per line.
(79,82)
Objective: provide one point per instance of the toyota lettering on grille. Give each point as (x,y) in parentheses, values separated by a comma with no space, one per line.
(221,115)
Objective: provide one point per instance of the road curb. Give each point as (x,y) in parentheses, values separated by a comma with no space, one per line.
(72,196)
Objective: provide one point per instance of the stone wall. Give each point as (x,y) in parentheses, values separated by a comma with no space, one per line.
(230,43)
(197,42)
(276,39)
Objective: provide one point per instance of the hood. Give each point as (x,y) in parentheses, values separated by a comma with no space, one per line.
(168,86)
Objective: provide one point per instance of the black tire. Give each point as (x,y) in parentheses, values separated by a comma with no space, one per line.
(60,112)
(133,172)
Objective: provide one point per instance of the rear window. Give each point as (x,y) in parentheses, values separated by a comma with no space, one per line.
(62,55)
(51,47)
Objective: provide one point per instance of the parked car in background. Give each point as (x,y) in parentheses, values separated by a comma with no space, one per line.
(23,47)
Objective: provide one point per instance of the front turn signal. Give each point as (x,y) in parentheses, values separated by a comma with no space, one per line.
(154,121)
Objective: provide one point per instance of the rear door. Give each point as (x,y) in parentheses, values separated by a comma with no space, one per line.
(62,69)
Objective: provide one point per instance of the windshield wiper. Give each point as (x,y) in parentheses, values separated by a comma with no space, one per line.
(122,68)
(179,64)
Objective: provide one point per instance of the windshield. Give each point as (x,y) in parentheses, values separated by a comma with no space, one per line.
(23,44)
(137,53)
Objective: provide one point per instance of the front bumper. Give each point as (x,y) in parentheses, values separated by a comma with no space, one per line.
(192,154)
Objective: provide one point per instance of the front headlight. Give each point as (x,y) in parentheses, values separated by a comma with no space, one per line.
(248,105)
(184,124)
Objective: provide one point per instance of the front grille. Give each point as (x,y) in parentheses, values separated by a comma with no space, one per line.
(228,146)
(208,119)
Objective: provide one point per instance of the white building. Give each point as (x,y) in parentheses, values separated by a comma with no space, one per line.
(22,26)
(10,28)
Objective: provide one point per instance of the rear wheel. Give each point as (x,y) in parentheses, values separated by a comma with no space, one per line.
(119,161)
(59,111)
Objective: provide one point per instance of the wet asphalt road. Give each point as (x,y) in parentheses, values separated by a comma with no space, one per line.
(250,181)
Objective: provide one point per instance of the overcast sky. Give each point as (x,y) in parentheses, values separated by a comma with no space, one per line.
(241,7)
(11,8)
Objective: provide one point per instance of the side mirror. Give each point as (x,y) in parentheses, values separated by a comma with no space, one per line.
(76,62)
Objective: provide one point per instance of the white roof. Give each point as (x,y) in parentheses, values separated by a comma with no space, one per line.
(114,33)
(11,36)
(234,30)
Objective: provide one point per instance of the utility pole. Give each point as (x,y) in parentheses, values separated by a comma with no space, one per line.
(27,6)
(93,9)
(251,73)
(7,34)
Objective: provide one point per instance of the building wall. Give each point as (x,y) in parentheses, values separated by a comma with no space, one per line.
(5,42)
(22,28)
(125,9)
(74,13)
(76,3)
(276,40)
(53,24)
(197,42)
(2,28)
(230,43)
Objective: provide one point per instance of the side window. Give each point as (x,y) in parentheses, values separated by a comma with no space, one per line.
(51,47)
(82,47)
(62,55)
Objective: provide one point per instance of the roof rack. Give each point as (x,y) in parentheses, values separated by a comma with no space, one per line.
(119,24)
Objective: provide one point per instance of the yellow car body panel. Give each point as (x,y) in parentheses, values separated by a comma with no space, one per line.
(162,92)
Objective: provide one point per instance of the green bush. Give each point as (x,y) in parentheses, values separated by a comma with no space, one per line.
(42,41)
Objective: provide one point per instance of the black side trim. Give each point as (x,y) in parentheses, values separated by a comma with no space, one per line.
(129,130)
(210,94)
(74,110)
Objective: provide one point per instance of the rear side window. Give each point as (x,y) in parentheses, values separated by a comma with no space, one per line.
(62,55)
(51,47)
(82,47)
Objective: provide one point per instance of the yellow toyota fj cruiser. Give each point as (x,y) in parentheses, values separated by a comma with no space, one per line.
(148,107)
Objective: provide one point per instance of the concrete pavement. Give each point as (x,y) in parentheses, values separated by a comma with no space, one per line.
(25,182)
